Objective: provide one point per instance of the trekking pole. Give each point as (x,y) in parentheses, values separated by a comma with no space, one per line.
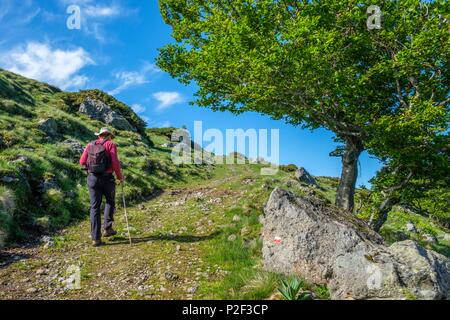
(125,209)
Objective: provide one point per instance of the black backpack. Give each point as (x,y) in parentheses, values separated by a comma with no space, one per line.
(98,159)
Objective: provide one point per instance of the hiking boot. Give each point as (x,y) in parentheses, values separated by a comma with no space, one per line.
(97,243)
(109,232)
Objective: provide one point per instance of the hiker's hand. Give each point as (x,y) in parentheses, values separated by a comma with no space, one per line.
(120,181)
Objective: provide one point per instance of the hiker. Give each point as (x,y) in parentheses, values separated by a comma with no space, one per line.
(100,160)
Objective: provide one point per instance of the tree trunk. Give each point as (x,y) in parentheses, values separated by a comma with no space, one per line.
(346,190)
(379,217)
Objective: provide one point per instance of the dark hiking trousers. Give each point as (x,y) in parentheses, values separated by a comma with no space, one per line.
(99,186)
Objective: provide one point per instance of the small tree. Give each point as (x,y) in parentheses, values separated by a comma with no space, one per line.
(414,146)
(312,63)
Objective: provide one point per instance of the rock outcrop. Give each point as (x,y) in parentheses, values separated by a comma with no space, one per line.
(7,206)
(49,126)
(98,110)
(306,237)
(74,145)
(303,176)
(410,227)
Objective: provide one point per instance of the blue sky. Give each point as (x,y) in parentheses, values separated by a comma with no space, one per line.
(115,50)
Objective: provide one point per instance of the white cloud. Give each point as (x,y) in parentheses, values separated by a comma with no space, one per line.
(42,62)
(167,99)
(29,17)
(5,8)
(77,2)
(13,15)
(95,16)
(138,108)
(102,11)
(92,22)
(129,79)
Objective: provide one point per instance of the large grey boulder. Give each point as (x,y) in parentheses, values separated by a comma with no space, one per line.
(303,176)
(49,126)
(98,110)
(304,236)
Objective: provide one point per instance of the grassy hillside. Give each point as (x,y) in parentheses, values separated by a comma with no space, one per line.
(199,239)
(42,187)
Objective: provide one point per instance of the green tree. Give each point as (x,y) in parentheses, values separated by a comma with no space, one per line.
(414,146)
(313,63)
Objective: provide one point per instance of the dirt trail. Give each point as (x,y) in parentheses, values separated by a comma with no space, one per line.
(164,262)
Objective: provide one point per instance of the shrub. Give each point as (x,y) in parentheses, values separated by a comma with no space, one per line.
(288,168)
(53,200)
(290,288)
(322,292)
(8,139)
(166,132)
(43,222)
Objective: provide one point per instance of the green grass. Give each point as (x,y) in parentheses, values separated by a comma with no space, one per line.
(238,248)
(241,257)
(395,230)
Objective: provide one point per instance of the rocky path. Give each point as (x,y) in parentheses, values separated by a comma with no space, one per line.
(165,261)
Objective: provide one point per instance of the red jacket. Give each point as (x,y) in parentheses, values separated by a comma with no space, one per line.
(111,150)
